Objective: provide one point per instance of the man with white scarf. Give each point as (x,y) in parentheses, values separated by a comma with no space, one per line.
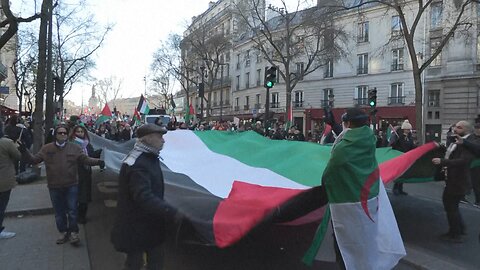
(141,213)
(457,177)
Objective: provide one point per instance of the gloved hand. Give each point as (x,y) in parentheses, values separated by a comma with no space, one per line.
(101,163)
(21,147)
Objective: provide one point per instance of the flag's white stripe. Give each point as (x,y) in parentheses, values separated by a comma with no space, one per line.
(185,153)
(364,244)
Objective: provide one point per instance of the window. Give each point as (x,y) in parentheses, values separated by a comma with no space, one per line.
(238,61)
(433,98)
(227,70)
(434,44)
(396,94)
(247,58)
(362,35)
(300,70)
(237,104)
(259,77)
(362,64)
(396,26)
(237,84)
(429,115)
(437,115)
(361,97)
(327,97)
(247,103)
(328,69)
(226,97)
(227,57)
(397,59)
(436,15)
(275,103)
(214,98)
(247,80)
(298,100)
(259,57)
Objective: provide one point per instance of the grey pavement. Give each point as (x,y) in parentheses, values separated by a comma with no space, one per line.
(30,216)
(29,213)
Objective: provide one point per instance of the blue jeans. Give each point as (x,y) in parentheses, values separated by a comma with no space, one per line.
(4,198)
(64,202)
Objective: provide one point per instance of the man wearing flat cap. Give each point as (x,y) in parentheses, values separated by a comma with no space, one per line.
(141,212)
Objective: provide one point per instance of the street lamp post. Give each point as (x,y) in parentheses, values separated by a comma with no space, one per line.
(221,93)
(202,68)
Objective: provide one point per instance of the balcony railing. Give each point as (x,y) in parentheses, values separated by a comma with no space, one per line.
(257,106)
(396,100)
(298,104)
(324,103)
(362,70)
(226,102)
(246,107)
(397,67)
(275,105)
(360,101)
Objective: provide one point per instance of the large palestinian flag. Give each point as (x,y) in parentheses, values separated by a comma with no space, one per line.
(226,183)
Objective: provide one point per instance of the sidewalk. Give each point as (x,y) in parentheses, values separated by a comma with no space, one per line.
(30,216)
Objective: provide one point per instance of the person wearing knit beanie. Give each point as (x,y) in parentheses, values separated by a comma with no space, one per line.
(403,143)
(406,125)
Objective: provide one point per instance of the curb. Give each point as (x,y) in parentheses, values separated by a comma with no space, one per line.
(30,212)
(423,260)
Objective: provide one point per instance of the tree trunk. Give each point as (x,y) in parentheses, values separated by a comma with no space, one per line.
(42,58)
(49,104)
(418,106)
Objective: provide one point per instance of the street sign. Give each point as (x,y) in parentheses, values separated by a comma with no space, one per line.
(254,112)
(4,90)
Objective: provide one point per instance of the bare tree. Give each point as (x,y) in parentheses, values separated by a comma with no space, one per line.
(205,50)
(171,59)
(12,22)
(108,89)
(297,42)
(410,14)
(77,38)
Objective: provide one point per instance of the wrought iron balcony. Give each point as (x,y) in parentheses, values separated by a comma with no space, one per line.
(397,66)
(362,70)
(361,101)
(396,100)
(257,106)
(298,104)
(237,108)
(275,105)
(246,107)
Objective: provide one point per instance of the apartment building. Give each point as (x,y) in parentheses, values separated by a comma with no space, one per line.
(375,56)
(8,53)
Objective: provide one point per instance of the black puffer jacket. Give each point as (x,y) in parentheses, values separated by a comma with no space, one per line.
(141,210)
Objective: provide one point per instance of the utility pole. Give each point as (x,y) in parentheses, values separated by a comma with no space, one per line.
(221,93)
(201,90)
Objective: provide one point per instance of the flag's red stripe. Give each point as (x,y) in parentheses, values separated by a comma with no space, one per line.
(246,206)
(372,178)
(394,168)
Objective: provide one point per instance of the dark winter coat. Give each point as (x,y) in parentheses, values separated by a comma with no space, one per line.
(85,178)
(402,143)
(458,170)
(141,210)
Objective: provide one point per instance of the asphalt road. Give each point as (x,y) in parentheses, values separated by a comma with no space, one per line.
(277,247)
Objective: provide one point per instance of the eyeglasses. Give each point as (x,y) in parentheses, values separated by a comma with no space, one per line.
(62,133)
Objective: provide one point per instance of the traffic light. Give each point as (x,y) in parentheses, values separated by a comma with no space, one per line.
(201,90)
(270,77)
(372,98)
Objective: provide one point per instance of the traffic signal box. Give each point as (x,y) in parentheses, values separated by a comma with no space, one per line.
(201,90)
(372,98)
(270,77)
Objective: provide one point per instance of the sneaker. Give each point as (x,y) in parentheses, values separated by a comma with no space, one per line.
(477,204)
(62,239)
(74,238)
(6,235)
(464,201)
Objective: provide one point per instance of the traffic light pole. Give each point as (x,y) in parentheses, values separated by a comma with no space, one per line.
(267,109)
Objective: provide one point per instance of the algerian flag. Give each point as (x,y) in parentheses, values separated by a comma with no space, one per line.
(228,183)
(104,116)
(361,215)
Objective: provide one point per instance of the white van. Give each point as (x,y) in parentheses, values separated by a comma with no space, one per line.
(151,118)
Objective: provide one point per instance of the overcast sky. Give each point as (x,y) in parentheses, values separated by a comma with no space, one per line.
(140,25)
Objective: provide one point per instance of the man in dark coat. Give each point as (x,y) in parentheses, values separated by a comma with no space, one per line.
(141,213)
(457,162)
(403,142)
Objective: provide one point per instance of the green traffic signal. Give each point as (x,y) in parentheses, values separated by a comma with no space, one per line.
(269,84)
(372,103)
